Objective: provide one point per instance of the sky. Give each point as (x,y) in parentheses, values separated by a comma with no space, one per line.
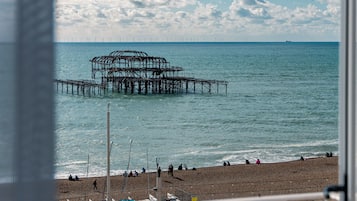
(193,20)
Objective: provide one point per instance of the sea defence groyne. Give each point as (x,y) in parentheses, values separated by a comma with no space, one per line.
(135,72)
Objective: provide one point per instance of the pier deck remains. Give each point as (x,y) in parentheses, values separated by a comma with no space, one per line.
(135,72)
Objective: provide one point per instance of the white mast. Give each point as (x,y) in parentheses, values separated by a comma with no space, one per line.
(87,165)
(108,154)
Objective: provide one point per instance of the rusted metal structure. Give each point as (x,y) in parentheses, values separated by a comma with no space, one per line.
(135,72)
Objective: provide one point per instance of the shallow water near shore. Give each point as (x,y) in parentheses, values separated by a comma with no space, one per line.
(281,103)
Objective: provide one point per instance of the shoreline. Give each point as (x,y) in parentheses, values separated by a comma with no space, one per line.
(118,172)
(217,182)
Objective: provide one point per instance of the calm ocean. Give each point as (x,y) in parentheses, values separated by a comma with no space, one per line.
(281,103)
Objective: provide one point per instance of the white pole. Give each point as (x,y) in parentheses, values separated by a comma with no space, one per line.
(88,165)
(131,142)
(108,154)
(147,167)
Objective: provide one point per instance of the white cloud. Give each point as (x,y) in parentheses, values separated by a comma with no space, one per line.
(254,20)
(265,19)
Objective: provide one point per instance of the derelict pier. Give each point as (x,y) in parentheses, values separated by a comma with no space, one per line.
(135,72)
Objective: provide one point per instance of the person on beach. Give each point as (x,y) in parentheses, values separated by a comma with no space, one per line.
(257,162)
(171,170)
(95,184)
(70,178)
(158,171)
(130,174)
(247,161)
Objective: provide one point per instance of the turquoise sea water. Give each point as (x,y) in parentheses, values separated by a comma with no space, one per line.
(281,103)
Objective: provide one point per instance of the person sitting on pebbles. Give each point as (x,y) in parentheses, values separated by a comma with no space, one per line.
(257,162)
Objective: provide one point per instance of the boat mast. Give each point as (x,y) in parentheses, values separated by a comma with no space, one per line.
(108,154)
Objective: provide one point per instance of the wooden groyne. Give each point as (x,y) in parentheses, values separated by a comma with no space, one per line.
(135,72)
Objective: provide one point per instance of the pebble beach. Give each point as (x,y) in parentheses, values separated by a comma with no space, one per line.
(207,183)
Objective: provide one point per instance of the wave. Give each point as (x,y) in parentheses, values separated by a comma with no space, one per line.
(317,143)
(73,163)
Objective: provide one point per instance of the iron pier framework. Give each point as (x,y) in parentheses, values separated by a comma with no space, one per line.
(135,72)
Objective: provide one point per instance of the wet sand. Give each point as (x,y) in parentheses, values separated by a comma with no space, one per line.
(310,175)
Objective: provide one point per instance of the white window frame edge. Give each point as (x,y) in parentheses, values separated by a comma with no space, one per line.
(347,102)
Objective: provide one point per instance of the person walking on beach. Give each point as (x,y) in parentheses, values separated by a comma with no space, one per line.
(95,184)
(171,170)
(158,171)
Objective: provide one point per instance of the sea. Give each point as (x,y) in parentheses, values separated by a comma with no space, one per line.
(281,103)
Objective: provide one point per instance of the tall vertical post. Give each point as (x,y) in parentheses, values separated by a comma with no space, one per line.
(158,184)
(147,168)
(108,154)
(350,97)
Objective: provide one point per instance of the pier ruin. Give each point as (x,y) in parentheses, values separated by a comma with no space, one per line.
(135,72)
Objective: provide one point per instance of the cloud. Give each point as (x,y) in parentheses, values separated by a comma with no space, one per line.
(246,2)
(255,14)
(166,4)
(250,9)
(207,12)
(264,18)
(203,20)
(138,4)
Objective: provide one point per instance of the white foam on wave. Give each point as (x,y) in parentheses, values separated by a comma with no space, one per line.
(303,144)
(97,173)
(72,163)
(210,152)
